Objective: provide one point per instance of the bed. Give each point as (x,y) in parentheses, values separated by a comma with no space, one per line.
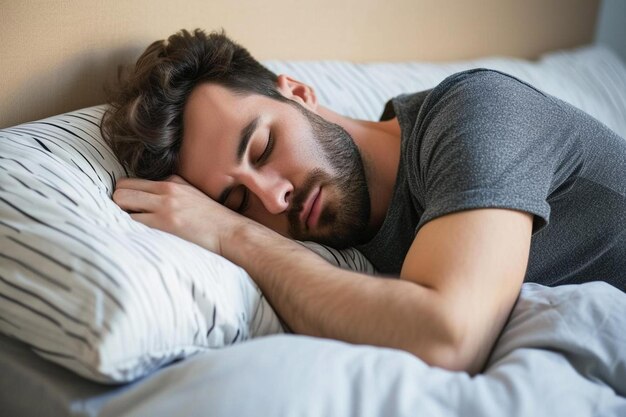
(102,316)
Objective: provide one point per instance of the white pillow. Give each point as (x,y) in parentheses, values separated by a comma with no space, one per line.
(89,288)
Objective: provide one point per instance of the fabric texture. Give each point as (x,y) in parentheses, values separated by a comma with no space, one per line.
(561,354)
(68,255)
(89,288)
(483,139)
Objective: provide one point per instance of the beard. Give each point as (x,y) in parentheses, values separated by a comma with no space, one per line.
(344,219)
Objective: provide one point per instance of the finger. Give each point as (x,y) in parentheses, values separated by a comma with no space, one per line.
(136,200)
(177,179)
(137,184)
(147,219)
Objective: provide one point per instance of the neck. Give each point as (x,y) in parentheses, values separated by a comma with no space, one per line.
(379,145)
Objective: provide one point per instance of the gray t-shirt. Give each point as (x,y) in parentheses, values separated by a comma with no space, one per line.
(481,139)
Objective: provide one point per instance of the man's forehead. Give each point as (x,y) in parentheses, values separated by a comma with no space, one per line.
(208,118)
(208,100)
(213,113)
(214,120)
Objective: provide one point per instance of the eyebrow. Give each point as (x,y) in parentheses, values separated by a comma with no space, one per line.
(244,140)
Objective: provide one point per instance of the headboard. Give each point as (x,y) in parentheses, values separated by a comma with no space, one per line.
(56,54)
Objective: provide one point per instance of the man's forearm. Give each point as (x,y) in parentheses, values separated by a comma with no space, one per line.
(318,299)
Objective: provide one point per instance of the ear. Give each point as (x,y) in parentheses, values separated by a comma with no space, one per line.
(297,91)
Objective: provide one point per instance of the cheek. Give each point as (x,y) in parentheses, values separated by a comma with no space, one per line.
(308,156)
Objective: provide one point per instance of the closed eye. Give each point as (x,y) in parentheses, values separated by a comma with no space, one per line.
(268,149)
(266,153)
(244,201)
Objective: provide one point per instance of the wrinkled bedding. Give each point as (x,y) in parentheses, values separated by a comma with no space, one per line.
(562,353)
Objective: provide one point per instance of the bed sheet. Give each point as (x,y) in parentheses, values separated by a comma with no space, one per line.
(562,353)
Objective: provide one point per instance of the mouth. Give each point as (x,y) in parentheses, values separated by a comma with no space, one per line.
(311,210)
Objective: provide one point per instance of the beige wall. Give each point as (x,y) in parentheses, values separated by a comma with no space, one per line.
(56,53)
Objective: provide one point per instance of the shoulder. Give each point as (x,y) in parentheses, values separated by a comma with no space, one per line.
(484,88)
(482,80)
(482,98)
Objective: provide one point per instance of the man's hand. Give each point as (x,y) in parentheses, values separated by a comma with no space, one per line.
(459,281)
(176,207)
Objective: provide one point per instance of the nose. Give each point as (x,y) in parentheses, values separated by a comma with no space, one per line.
(271,188)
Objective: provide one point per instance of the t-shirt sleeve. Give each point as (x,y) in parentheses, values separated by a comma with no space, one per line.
(485,144)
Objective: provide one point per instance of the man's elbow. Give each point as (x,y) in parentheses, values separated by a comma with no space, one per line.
(444,356)
(451,358)
(455,352)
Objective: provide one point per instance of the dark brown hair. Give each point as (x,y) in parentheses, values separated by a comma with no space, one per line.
(144,121)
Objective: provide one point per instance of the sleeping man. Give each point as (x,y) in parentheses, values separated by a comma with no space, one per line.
(461,193)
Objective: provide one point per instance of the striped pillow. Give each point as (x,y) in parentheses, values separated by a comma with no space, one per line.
(87,287)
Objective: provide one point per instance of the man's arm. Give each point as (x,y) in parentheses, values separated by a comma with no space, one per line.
(476,260)
(458,284)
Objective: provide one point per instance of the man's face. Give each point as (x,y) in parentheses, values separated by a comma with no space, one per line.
(276,163)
